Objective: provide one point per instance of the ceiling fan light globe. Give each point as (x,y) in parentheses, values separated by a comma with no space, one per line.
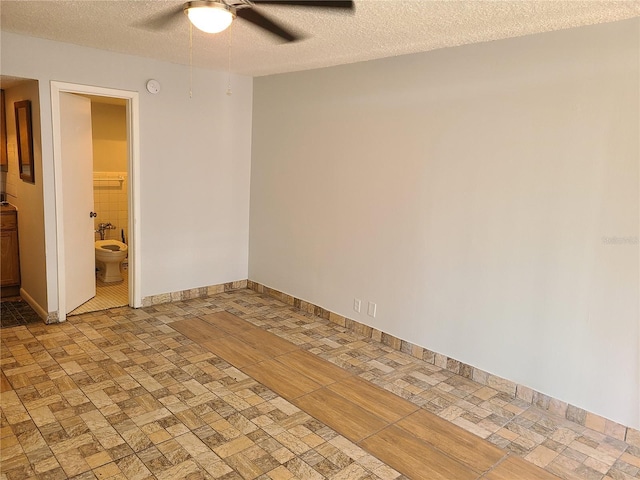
(210,18)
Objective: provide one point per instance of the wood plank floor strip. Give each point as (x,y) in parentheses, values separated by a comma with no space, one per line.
(230,323)
(314,367)
(236,351)
(344,416)
(287,383)
(267,342)
(515,468)
(384,404)
(420,445)
(452,440)
(197,330)
(415,458)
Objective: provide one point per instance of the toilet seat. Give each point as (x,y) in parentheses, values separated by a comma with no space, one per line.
(110,246)
(109,255)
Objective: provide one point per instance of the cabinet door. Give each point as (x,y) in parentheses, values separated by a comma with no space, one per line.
(9,260)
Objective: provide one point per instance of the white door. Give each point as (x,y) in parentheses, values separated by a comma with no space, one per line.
(76,149)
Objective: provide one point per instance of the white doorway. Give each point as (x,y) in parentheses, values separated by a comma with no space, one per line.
(67,211)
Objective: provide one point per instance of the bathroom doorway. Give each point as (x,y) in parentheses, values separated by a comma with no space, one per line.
(110,200)
(112,196)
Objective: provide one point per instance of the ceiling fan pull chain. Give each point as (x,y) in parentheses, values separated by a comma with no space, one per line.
(190,60)
(229,92)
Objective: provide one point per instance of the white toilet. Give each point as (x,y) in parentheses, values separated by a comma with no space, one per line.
(109,256)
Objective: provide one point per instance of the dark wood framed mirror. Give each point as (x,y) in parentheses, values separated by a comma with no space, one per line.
(4,157)
(24,137)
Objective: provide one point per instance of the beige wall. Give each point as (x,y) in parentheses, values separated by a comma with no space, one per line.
(109,129)
(28,198)
(485,197)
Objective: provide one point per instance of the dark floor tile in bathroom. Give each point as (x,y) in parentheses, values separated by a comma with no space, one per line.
(14,312)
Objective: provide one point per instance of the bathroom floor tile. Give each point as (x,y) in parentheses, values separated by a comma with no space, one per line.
(108,295)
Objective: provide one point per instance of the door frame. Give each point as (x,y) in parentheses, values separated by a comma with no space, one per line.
(133,140)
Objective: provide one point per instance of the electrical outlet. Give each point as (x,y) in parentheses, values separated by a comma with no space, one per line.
(371,310)
(357,304)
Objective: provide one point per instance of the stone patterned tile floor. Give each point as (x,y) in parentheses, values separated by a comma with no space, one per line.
(119,394)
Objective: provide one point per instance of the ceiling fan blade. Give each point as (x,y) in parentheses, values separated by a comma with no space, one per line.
(162,21)
(349,4)
(258,19)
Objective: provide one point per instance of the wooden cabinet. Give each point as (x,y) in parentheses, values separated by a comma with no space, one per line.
(9,254)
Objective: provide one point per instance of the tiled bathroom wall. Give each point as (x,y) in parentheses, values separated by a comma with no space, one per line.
(110,203)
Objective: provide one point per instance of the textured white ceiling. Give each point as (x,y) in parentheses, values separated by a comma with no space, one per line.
(378,28)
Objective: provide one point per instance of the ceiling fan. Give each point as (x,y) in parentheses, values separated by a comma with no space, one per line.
(213,16)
